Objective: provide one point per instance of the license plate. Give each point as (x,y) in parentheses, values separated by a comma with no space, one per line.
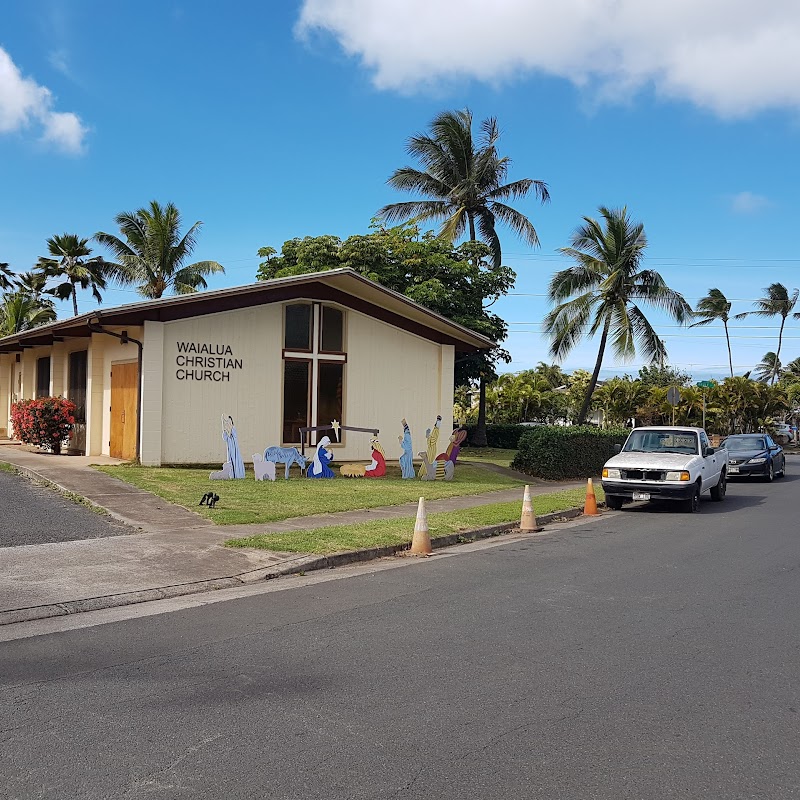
(641,496)
(733,470)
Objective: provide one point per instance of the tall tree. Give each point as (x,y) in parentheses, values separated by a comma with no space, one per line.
(791,372)
(552,373)
(21,312)
(462,185)
(620,399)
(153,254)
(663,375)
(31,284)
(459,283)
(715,306)
(768,368)
(601,293)
(777,302)
(68,260)
(6,277)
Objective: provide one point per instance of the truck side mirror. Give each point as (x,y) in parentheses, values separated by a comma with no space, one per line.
(710,451)
(617,448)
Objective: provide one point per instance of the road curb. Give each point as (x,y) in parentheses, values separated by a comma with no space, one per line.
(299,565)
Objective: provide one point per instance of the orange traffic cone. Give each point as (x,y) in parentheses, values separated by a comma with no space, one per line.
(527,522)
(590,507)
(421,542)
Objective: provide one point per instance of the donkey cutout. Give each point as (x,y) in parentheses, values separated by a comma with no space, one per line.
(286,455)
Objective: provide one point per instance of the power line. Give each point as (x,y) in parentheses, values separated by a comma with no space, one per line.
(685,327)
(689,336)
(730,299)
(667,260)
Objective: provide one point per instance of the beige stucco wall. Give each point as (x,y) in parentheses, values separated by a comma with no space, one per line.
(390,374)
(6,360)
(191,411)
(114,352)
(103,351)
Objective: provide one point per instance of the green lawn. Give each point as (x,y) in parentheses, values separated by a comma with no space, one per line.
(339,538)
(247,501)
(488,455)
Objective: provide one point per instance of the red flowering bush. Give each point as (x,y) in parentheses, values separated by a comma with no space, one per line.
(46,422)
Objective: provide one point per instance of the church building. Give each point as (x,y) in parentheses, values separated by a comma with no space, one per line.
(153,379)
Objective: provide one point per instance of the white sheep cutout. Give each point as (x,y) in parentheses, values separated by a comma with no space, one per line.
(264,470)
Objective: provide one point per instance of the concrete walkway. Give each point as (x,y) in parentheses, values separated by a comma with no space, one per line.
(169,551)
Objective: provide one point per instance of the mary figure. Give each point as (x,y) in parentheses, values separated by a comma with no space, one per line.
(232,444)
(322,457)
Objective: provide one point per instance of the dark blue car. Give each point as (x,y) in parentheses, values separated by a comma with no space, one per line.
(754,454)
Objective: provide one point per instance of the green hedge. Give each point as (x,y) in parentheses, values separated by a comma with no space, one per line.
(554,452)
(503,436)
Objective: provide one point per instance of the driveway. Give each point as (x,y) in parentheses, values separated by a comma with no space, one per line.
(31,514)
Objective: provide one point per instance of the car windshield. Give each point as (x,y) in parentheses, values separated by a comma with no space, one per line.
(661,441)
(745,443)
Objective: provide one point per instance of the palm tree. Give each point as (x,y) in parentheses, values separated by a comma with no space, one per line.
(463,183)
(31,283)
(463,186)
(715,306)
(769,367)
(552,373)
(6,277)
(791,372)
(21,312)
(67,260)
(601,292)
(153,252)
(777,303)
(619,400)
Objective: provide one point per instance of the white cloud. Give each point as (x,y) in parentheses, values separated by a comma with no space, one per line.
(735,57)
(25,104)
(748,203)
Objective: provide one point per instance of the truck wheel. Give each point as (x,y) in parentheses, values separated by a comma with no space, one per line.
(692,504)
(614,502)
(718,491)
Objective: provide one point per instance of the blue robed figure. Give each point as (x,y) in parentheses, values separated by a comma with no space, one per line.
(322,458)
(232,445)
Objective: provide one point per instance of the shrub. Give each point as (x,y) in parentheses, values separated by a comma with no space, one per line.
(503,436)
(554,452)
(46,422)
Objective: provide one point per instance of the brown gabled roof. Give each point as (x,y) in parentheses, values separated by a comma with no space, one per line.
(343,286)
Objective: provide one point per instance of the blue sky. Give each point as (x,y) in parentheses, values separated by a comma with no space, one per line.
(273,120)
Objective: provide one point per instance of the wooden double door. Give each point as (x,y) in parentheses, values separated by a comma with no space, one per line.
(124,410)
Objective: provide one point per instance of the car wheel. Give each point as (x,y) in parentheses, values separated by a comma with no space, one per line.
(769,476)
(718,491)
(782,473)
(692,504)
(614,502)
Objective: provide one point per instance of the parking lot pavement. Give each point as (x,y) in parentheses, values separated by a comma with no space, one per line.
(31,514)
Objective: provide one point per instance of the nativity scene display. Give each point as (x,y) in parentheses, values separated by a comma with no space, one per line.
(434,466)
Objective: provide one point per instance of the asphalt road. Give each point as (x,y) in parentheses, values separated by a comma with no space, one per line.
(31,514)
(647,655)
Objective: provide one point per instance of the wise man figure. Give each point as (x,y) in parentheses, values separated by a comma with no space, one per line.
(432,437)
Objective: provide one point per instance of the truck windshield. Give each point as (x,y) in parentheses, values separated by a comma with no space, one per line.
(662,441)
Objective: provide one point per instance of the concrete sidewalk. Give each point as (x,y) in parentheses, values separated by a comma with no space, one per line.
(173,551)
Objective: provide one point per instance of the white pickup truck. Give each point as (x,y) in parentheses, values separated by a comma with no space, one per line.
(666,463)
